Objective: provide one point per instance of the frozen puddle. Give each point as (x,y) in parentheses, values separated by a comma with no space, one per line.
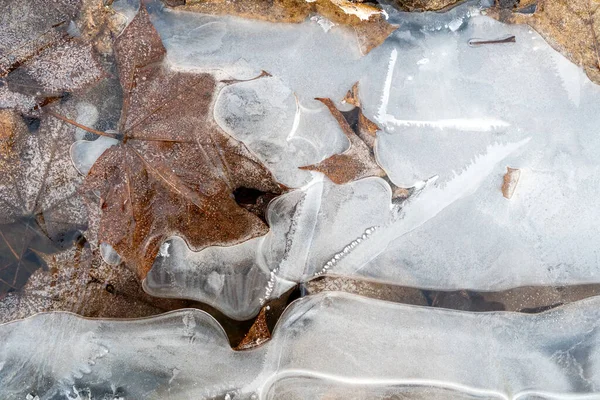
(453,117)
(384,349)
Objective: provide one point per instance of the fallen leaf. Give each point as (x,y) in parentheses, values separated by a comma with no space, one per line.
(49,49)
(40,210)
(368,21)
(78,281)
(30,27)
(570,26)
(258,334)
(358,161)
(174,171)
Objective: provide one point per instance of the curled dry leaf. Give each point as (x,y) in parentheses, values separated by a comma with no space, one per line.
(358,161)
(369,22)
(40,210)
(174,171)
(570,26)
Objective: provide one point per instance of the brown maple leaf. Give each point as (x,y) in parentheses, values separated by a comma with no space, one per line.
(175,171)
(40,210)
(570,26)
(358,161)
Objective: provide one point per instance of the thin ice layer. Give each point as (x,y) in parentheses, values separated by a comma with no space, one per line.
(452,118)
(226,278)
(282,131)
(312,230)
(336,342)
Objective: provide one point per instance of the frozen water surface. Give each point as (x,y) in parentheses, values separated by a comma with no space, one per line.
(453,117)
(316,350)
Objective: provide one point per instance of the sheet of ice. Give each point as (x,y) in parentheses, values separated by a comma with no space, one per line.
(546,233)
(227,278)
(447,110)
(384,348)
(293,133)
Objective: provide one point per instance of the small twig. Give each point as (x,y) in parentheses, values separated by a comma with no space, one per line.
(477,42)
(263,74)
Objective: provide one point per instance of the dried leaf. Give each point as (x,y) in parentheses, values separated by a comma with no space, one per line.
(40,211)
(358,161)
(79,281)
(368,21)
(30,27)
(570,26)
(258,334)
(175,171)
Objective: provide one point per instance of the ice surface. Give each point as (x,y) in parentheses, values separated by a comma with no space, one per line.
(316,349)
(452,118)
(84,153)
(226,278)
(292,132)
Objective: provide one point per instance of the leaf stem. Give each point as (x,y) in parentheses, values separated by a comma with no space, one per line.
(85,128)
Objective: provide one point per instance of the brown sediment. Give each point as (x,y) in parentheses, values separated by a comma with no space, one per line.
(425,5)
(526,299)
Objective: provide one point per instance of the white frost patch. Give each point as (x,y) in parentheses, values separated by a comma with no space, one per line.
(109,254)
(473,125)
(571,76)
(455,24)
(323,22)
(84,153)
(164,249)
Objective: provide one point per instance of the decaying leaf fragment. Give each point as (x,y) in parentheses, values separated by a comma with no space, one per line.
(258,334)
(570,26)
(358,161)
(369,22)
(510,181)
(40,210)
(175,171)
